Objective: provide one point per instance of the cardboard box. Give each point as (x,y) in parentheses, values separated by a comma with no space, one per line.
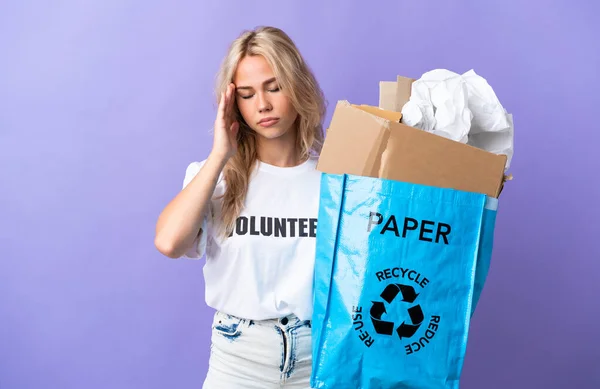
(394,94)
(368,141)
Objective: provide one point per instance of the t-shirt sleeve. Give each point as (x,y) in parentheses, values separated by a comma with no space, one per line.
(198,248)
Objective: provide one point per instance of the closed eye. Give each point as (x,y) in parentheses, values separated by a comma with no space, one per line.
(273,90)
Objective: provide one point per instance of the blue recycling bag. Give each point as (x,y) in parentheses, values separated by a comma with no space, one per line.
(399,270)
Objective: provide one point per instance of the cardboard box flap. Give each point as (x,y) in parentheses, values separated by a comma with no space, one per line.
(361,143)
(394,94)
(403,91)
(382,113)
(387,95)
(353,141)
(416,156)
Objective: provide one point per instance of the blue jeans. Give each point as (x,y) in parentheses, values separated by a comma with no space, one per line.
(263,354)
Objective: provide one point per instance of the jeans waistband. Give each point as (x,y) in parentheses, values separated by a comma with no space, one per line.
(290,320)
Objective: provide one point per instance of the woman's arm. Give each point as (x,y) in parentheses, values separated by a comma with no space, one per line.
(179,223)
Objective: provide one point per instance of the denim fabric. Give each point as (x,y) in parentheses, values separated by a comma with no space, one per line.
(266,354)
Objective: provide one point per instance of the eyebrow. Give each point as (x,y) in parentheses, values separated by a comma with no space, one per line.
(270,80)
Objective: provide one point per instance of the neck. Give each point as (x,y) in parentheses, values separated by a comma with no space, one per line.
(280,152)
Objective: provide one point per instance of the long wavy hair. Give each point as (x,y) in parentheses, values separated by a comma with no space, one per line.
(300,86)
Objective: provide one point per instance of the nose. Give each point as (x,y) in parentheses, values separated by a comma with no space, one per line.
(264,105)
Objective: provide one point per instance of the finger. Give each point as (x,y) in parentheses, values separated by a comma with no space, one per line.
(228,105)
(227,100)
(231,90)
(231,99)
(233,132)
(222,106)
(235,126)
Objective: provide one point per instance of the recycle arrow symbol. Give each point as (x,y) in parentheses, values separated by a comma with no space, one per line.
(386,327)
(391,291)
(381,326)
(408,330)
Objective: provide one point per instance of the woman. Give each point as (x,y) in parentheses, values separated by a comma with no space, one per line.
(252,207)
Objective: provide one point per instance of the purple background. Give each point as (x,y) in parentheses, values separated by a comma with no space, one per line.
(103,104)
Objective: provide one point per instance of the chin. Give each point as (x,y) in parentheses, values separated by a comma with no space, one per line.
(270,133)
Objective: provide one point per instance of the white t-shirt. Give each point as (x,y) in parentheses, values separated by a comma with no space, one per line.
(264,270)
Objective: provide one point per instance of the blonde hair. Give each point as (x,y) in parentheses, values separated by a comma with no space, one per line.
(300,86)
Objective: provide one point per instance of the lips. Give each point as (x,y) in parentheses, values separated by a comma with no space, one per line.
(268,122)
